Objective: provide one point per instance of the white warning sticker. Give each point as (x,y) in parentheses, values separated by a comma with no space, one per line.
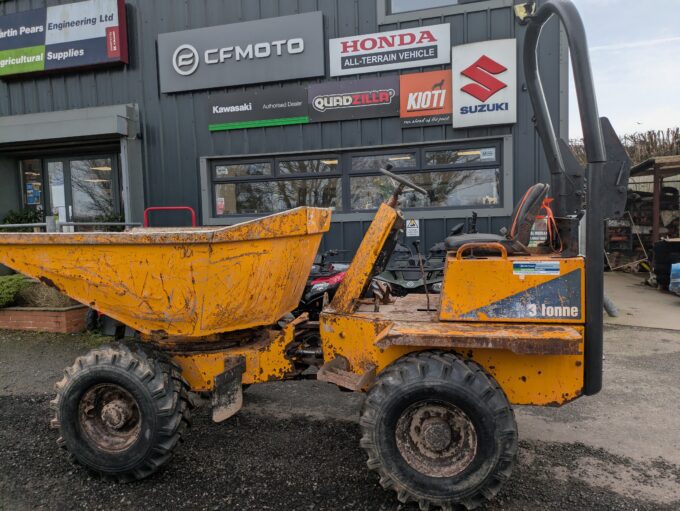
(412,228)
(536,268)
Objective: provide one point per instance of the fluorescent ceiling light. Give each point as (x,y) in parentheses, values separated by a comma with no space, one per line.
(469,153)
(329,162)
(100,168)
(398,158)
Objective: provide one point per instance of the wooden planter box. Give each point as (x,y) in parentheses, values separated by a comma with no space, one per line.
(67,320)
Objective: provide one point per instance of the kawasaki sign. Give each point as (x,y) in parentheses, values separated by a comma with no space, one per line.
(63,36)
(269,50)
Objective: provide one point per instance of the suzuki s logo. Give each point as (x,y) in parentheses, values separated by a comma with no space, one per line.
(185,60)
(481,72)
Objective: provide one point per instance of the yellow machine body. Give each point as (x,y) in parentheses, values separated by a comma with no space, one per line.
(536,362)
(536,289)
(188,283)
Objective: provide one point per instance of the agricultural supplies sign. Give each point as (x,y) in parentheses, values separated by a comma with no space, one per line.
(425,99)
(398,49)
(268,50)
(271,107)
(63,37)
(356,99)
(485,83)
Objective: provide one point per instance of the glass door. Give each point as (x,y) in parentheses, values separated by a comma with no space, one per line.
(84,189)
(57,190)
(92,190)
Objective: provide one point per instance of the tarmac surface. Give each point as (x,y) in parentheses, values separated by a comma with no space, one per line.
(295,444)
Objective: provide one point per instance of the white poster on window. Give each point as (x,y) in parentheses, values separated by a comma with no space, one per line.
(484,83)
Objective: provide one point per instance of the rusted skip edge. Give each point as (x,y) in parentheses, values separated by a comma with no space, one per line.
(530,346)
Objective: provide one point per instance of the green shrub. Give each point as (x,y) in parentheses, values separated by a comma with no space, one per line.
(9,289)
(26,216)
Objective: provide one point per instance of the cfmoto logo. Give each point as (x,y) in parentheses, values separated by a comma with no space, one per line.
(185,60)
(481,72)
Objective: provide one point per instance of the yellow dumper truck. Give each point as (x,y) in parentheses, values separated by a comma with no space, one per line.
(512,325)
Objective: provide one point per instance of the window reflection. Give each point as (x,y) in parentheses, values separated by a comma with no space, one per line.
(92,189)
(243,169)
(308,166)
(280,195)
(460,188)
(459,157)
(376,162)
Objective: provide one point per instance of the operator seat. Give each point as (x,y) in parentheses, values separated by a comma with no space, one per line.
(520,231)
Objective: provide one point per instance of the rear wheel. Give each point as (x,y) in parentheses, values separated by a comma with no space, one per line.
(439,431)
(121,412)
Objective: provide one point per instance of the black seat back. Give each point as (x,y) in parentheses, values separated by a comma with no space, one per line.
(525,213)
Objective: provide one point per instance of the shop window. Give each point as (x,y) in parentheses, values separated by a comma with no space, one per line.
(447,189)
(373,162)
(399,6)
(308,166)
(448,157)
(457,175)
(243,170)
(260,197)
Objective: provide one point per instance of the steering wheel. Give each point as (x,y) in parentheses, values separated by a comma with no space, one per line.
(403,183)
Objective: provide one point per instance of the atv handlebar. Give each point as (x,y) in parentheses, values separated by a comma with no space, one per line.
(403,180)
(403,183)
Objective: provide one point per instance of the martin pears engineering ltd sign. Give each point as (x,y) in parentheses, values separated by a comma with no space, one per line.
(64,36)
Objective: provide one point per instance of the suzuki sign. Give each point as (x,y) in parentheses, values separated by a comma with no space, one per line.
(269,50)
(398,49)
(484,83)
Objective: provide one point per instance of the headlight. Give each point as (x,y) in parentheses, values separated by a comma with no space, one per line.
(437,287)
(320,287)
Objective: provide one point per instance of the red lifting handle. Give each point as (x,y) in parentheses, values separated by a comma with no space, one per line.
(169,208)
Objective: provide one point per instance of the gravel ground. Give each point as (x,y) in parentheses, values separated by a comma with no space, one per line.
(276,454)
(253,462)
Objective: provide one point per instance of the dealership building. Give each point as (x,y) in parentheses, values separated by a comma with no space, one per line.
(241,108)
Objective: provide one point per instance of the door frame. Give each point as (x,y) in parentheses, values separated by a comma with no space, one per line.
(68,190)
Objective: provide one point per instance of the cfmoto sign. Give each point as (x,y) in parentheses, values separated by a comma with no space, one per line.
(236,54)
(185,60)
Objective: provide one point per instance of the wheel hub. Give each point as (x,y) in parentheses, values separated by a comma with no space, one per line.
(437,439)
(115,414)
(436,435)
(109,417)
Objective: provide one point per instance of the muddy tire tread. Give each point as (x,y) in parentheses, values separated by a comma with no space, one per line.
(448,366)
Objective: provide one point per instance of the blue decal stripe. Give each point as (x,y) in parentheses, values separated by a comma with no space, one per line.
(558,298)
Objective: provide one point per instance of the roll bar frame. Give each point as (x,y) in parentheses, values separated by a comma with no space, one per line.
(596,156)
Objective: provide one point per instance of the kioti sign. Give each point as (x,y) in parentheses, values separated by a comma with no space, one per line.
(485,83)
(76,35)
(268,50)
(398,49)
(425,99)
(355,99)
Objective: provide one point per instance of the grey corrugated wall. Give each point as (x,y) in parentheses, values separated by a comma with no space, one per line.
(174,127)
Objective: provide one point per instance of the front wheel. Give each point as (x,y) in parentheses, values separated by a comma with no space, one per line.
(439,431)
(121,412)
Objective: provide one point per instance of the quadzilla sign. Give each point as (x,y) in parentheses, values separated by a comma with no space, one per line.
(484,83)
(270,107)
(425,99)
(398,49)
(267,50)
(356,99)
(64,36)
